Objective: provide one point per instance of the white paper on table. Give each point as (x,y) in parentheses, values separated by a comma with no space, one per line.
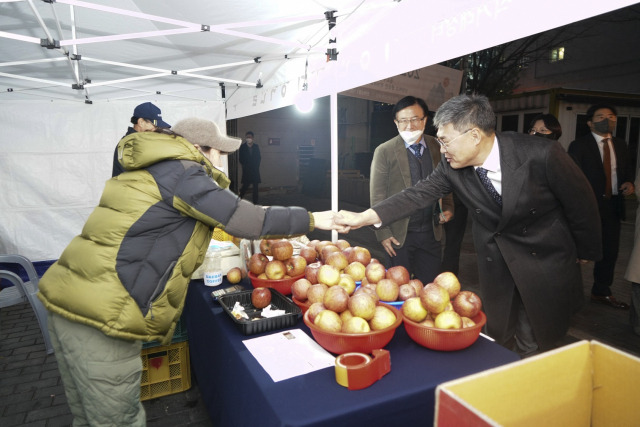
(289,354)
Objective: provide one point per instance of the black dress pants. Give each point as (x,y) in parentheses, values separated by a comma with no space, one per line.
(245,187)
(603,269)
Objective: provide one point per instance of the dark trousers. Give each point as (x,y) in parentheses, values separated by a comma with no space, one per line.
(420,254)
(634,312)
(603,269)
(520,337)
(245,187)
(454,234)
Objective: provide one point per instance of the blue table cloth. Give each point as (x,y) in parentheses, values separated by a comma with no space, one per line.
(237,391)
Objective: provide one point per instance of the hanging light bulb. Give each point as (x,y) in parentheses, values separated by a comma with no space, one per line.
(303,100)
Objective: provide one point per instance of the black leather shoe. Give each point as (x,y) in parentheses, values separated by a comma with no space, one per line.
(610,301)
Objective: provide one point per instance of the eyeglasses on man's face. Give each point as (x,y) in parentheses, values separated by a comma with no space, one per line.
(447,144)
(415,121)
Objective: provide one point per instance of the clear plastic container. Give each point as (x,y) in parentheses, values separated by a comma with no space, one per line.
(213,267)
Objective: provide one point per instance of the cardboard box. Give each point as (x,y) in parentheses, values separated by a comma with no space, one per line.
(582,384)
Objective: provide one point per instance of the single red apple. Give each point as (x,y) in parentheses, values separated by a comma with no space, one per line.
(360,254)
(261,297)
(398,274)
(328,249)
(417,284)
(329,275)
(300,288)
(449,281)
(265,246)
(320,245)
(311,272)
(316,292)
(355,270)
(314,309)
(337,259)
(434,298)
(387,290)
(281,250)
(275,270)
(467,304)
(336,298)
(309,254)
(374,272)
(257,263)
(296,265)
(234,275)
(342,244)
(406,291)
(347,251)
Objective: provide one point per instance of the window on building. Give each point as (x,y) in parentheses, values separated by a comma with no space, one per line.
(510,123)
(557,54)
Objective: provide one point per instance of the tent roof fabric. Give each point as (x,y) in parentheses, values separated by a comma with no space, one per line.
(262,52)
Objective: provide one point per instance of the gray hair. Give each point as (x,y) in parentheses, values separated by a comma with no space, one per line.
(465,112)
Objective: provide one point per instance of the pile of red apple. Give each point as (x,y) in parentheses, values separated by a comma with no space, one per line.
(332,270)
(329,288)
(283,265)
(443,305)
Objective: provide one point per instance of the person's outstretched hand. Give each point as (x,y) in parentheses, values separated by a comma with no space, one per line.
(356,220)
(326,221)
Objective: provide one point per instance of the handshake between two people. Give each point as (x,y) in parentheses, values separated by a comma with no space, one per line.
(344,221)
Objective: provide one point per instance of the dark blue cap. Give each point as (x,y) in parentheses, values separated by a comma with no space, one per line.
(152,113)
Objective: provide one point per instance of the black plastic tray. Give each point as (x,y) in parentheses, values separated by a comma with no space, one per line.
(260,324)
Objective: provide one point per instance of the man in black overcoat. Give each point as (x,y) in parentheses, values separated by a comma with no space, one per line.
(534,221)
(250,160)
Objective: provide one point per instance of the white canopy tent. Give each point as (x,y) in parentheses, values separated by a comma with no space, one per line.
(72,71)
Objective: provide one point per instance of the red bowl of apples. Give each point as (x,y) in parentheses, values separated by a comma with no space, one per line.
(341,342)
(282,285)
(445,339)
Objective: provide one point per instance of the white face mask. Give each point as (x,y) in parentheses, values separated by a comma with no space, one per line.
(249,141)
(410,136)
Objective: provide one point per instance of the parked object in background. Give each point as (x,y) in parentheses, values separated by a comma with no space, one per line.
(24,291)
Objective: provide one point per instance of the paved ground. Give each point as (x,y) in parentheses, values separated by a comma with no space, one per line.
(31,393)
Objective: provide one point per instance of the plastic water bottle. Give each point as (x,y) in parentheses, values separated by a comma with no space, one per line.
(213,268)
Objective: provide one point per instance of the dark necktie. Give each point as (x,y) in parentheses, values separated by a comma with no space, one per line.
(416,150)
(606,162)
(486,182)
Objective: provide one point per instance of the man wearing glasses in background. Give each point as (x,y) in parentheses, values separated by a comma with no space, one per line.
(534,221)
(414,241)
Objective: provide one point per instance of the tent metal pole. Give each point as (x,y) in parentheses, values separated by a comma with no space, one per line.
(129,36)
(33,79)
(40,21)
(130,79)
(334,157)
(12,36)
(215,67)
(124,64)
(32,61)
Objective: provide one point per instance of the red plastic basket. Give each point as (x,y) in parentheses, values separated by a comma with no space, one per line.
(283,285)
(445,339)
(339,342)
